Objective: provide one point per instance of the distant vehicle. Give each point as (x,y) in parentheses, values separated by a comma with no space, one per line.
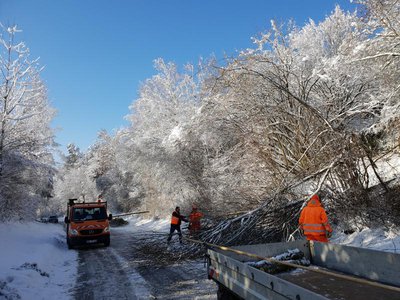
(53,219)
(87,223)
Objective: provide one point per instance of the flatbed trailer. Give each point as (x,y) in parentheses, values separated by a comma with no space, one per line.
(336,272)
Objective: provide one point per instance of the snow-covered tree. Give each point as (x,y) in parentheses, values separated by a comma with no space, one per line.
(73,180)
(26,138)
(73,156)
(166,102)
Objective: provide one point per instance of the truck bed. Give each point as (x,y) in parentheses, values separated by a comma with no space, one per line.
(336,288)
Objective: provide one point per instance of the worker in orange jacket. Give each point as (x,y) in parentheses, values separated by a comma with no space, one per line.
(194,220)
(176,221)
(313,221)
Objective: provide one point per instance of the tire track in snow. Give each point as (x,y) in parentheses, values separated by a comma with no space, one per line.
(101,276)
(184,281)
(122,271)
(141,287)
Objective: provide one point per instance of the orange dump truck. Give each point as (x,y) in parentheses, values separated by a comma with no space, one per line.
(87,223)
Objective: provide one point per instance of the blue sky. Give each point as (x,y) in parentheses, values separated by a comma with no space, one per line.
(97,52)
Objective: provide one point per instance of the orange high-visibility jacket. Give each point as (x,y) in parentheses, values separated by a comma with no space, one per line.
(195,217)
(177,218)
(313,219)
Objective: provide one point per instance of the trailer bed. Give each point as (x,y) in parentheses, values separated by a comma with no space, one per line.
(234,276)
(336,288)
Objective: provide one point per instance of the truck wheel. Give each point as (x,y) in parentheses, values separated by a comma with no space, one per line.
(225,294)
(107,242)
(69,244)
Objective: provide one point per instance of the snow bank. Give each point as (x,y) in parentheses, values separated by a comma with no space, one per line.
(139,224)
(35,262)
(377,239)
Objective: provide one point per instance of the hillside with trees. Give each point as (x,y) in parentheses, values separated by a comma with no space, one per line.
(307,109)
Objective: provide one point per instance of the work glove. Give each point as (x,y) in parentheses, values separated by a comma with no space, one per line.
(328,234)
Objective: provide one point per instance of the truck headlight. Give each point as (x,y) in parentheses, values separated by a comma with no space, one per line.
(73,232)
(107,229)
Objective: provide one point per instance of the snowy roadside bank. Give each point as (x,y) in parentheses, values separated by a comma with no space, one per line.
(375,239)
(141,224)
(35,262)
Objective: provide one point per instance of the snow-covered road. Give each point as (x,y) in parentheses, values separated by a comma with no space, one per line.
(35,263)
(124,271)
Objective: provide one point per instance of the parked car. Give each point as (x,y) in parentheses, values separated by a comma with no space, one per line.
(53,219)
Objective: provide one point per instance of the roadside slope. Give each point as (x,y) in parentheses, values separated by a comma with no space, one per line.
(35,262)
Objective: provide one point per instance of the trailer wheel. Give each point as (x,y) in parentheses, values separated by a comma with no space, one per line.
(224,293)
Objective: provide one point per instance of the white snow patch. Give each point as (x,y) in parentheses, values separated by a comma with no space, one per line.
(139,224)
(359,48)
(376,239)
(174,136)
(388,168)
(35,262)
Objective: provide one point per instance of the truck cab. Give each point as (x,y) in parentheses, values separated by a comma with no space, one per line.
(87,223)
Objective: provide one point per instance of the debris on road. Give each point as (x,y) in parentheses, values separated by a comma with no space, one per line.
(294,256)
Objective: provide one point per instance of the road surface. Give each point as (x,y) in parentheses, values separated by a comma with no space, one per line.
(126,270)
